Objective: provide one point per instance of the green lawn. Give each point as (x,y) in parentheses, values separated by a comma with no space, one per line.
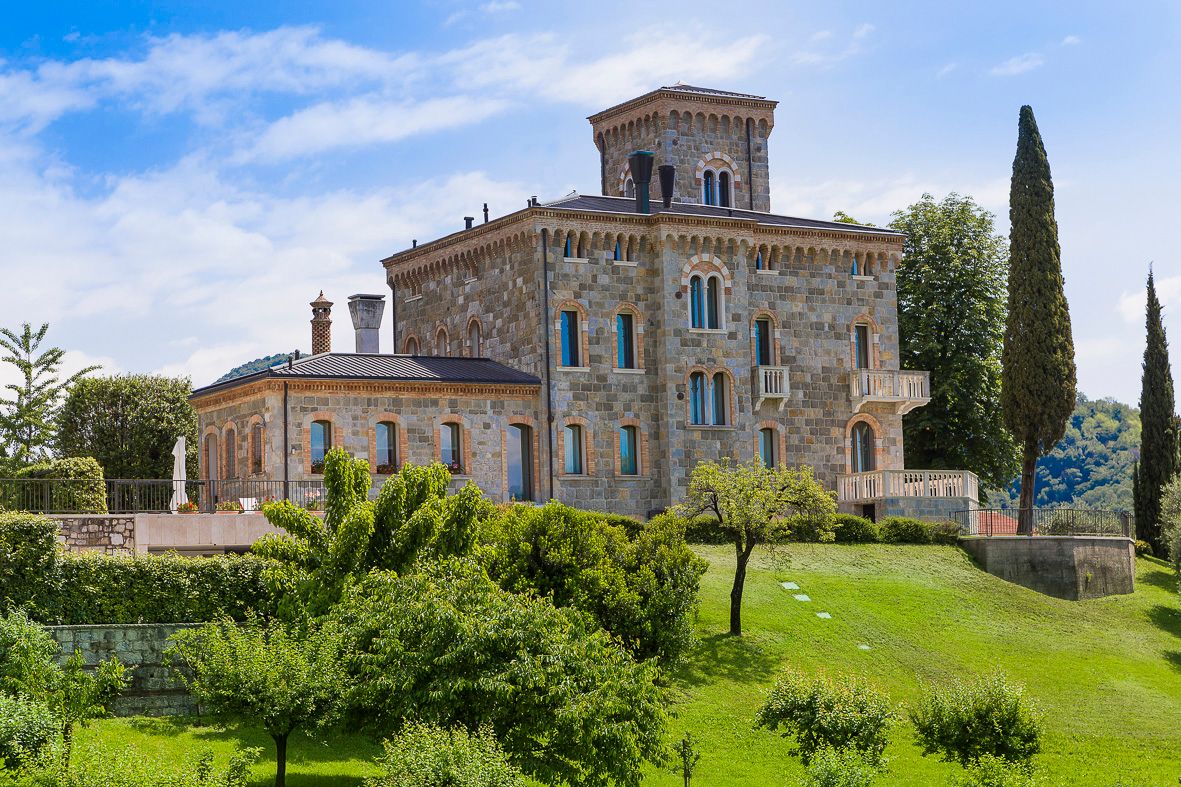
(1107,672)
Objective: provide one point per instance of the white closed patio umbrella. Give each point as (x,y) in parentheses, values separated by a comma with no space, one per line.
(179,495)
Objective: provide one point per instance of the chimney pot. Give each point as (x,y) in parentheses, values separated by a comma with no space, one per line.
(321,325)
(467,222)
(668,174)
(367,312)
(640,164)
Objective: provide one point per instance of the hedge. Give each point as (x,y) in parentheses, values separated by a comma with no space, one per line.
(851,529)
(55,587)
(85,493)
(904,530)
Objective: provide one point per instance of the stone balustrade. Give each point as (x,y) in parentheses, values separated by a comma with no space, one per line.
(881,484)
(904,388)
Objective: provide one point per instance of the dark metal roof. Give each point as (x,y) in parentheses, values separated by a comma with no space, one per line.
(395,368)
(709,91)
(628,205)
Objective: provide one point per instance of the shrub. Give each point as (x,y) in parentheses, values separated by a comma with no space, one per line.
(964,722)
(904,530)
(1143,548)
(701,529)
(812,528)
(26,728)
(841,768)
(990,771)
(852,529)
(422,755)
(84,490)
(129,768)
(821,712)
(946,532)
(29,562)
(642,589)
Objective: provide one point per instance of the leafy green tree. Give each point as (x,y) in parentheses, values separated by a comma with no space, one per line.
(28,416)
(422,755)
(965,721)
(446,646)
(844,218)
(752,503)
(1158,425)
(77,695)
(1038,380)
(413,517)
(129,423)
(281,678)
(951,318)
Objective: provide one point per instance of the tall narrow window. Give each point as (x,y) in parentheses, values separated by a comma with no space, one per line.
(697,398)
(696,302)
(386,438)
(707,188)
(625,341)
(473,339)
(629,188)
(256,435)
(520,463)
(570,348)
(862,448)
(412,346)
(861,345)
(211,468)
(855,267)
(713,306)
(450,451)
(231,453)
(763,341)
(569,250)
(629,463)
(618,251)
(759,264)
(572,447)
(441,348)
(720,400)
(321,440)
(724,189)
(767,447)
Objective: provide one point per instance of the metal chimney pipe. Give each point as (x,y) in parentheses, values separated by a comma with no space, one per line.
(367,312)
(668,174)
(467,222)
(641,163)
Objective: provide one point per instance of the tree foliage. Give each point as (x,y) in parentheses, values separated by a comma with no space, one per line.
(28,415)
(422,755)
(263,673)
(966,721)
(951,317)
(446,646)
(412,518)
(129,423)
(1038,380)
(752,503)
(1158,425)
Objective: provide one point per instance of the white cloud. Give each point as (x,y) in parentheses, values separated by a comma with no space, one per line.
(1132,304)
(500,6)
(1071,41)
(820,35)
(821,57)
(1018,65)
(862,31)
(947,69)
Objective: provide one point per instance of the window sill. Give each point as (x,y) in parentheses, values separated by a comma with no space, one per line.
(573,368)
(636,477)
(713,427)
(575,477)
(576,259)
(626,263)
(472,280)
(461,477)
(629,371)
(709,330)
(862,278)
(767,272)
(413,298)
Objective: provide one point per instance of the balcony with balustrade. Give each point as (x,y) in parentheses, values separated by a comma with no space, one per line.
(771,384)
(903,389)
(878,485)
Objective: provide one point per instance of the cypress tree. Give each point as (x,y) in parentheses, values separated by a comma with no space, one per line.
(1158,433)
(1038,379)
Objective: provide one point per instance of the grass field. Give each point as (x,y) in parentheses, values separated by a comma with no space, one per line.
(1107,673)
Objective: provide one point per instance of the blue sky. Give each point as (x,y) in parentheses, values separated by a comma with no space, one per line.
(178,180)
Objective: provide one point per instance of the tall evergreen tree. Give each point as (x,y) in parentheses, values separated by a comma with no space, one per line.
(1038,380)
(951,321)
(1158,427)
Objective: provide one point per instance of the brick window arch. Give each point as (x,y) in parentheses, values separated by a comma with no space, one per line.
(572,335)
(764,338)
(521,466)
(475,337)
(389,444)
(863,436)
(631,448)
(717,177)
(319,438)
(575,447)
(629,337)
(453,443)
(210,453)
(229,461)
(256,446)
(770,443)
(442,343)
(863,342)
(410,347)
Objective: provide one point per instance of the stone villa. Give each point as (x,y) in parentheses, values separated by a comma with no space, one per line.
(594,348)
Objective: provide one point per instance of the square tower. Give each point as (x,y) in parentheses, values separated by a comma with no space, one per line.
(717,141)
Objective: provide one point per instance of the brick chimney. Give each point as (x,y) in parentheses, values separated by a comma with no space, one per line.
(321,325)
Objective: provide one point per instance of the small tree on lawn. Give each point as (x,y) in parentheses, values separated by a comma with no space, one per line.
(752,503)
(280,678)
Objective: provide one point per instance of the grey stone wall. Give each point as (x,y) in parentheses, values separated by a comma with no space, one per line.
(931,509)
(110,534)
(141,647)
(1069,567)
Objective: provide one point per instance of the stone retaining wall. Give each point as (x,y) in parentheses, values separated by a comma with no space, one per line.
(108,533)
(139,646)
(1070,567)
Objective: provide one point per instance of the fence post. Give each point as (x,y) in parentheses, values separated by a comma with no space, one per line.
(1125,523)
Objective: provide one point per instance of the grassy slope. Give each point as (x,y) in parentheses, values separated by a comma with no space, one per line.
(1106,672)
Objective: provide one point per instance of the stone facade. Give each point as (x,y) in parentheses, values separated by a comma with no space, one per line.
(111,534)
(141,647)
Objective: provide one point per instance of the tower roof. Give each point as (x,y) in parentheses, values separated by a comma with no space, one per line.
(321,301)
(681,92)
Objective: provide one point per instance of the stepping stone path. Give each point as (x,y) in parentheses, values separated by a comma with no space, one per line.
(863,646)
(824,616)
(789,586)
(801,597)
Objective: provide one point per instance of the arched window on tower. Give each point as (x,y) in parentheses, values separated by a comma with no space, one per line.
(724,189)
(707,188)
(473,339)
(713,303)
(720,399)
(861,448)
(697,399)
(696,302)
(629,188)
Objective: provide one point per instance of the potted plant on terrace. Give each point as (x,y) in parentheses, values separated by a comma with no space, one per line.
(456,468)
(229,507)
(187,507)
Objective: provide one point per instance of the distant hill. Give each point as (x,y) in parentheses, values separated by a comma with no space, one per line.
(257,365)
(1092,465)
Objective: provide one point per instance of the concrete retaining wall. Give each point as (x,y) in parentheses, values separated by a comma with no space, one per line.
(203,534)
(1070,567)
(930,509)
(152,691)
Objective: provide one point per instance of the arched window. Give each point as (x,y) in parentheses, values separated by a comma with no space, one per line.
(720,400)
(759,264)
(321,444)
(572,448)
(855,268)
(231,441)
(450,446)
(581,246)
(256,441)
(861,346)
(520,462)
(441,344)
(618,254)
(570,335)
(724,189)
(473,339)
(696,302)
(385,436)
(211,468)
(631,250)
(763,341)
(713,302)
(625,341)
(412,346)
(629,188)
(697,398)
(568,251)
(767,447)
(861,445)
(629,444)
(707,188)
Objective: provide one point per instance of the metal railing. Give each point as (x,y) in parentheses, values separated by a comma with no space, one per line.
(142,496)
(1045,522)
(878,484)
(889,385)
